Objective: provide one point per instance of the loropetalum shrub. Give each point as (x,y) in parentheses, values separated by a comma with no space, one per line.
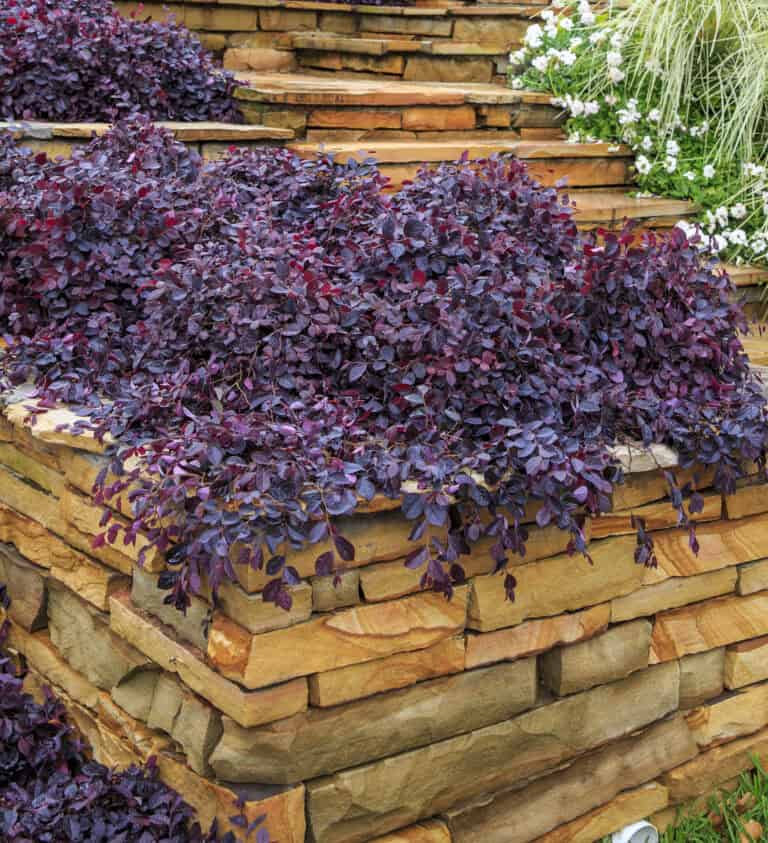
(272,340)
(81,60)
(51,791)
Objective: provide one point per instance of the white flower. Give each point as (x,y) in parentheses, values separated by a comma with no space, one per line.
(670,164)
(690,176)
(558,102)
(518,57)
(567,24)
(598,37)
(759,245)
(610,99)
(567,57)
(647,143)
(654,67)
(587,16)
(708,172)
(614,59)
(654,115)
(576,42)
(592,107)
(547,15)
(718,243)
(737,236)
(721,215)
(558,4)
(541,63)
(617,40)
(534,36)
(517,84)
(574,137)
(615,75)
(739,211)
(690,230)
(575,106)
(673,148)
(643,165)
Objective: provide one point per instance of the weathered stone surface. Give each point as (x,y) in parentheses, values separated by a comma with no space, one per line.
(328,118)
(752,577)
(746,662)
(84,639)
(748,500)
(215,19)
(409,25)
(399,671)
(26,588)
(704,626)
(741,713)
(197,728)
(534,637)
(628,807)
(30,501)
(246,708)
(189,625)
(166,703)
(323,741)
(704,773)
(47,424)
(26,465)
(286,19)
(701,677)
(522,815)
(579,584)
(657,516)
(613,655)
(352,805)
(331,641)
(258,58)
(426,118)
(429,831)
(644,485)
(672,593)
(503,32)
(256,615)
(327,595)
(448,69)
(135,693)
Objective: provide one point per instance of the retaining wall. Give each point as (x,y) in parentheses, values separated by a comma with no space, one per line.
(604,693)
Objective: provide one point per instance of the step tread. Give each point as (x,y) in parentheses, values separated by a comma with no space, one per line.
(300,89)
(202,130)
(325,41)
(598,206)
(421,8)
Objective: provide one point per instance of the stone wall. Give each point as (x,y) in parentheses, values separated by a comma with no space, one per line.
(604,693)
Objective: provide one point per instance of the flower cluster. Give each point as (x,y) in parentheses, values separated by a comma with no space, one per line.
(672,158)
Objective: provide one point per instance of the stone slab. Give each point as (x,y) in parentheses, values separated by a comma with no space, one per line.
(746,662)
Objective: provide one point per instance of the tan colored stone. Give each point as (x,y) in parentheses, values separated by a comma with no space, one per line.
(258,58)
(644,486)
(621,650)
(296,120)
(319,742)
(31,502)
(753,577)
(544,805)
(246,708)
(746,662)
(352,805)
(704,626)
(715,766)
(286,19)
(429,831)
(331,641)
(257,615)
(27,466)
(496,116)
(409,26)
(337,22)
(47,424)
(672,593)
(741,713)
(165,703)
(658,516)
(448,69)
(26,588)
(701,677)
(748,500)
(83,637)
(135,693)
(504,32)
(198,728)
(399,671)
(216,19)
(425,118)
(189,625)
(534,637)
(327,118)
(613,573)
(32,540)
(627,808)
(327,594)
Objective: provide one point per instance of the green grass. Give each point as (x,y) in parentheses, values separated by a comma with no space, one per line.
(748,803)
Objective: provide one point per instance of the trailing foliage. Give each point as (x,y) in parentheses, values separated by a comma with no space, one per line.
(50,791)
(273,339)
(80,60)
(684,83)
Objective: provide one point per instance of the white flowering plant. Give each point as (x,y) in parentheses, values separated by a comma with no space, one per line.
(598,69)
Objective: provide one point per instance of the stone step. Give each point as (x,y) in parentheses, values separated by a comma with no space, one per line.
(302,102)
(373,46)
(583,165)
(609,210)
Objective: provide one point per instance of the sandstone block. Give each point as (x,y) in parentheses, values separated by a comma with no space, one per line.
(672,593)
(135,693)
(429,831)
(704,773)
(246,708)
(165,703)
(327,595)
(352,805)
(701,677)
(190,626)
(259,59)
(746,662)
(26,588)
(47,424)
(643,486)
(286,20)
(741,713)
(29,501)
(522,815)
(748,500)
(628,807)
(399,671)
(753,577)
(621,650)
(296,120)
(409,25)
(26,465)
(323,741)
(213,19)
(340,22)
(704,626)
(658,516)
(448,69)
(83,637)
(427,118)
(33,540)
(580,584)
(197,728)
(504,32)
(327,118)
(331,641)
(256,615)
(534,637)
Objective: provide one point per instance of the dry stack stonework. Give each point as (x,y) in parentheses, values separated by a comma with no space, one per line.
(605,693)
